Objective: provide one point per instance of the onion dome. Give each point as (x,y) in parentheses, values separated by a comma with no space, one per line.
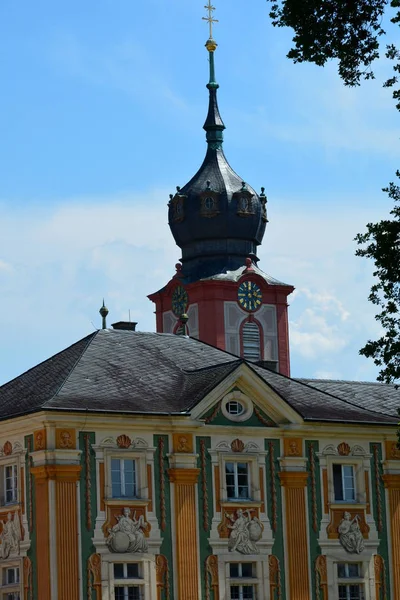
(217,219)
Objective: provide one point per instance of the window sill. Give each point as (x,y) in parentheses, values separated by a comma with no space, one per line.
(126,500)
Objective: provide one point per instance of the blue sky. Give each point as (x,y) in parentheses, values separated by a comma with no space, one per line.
(101,116)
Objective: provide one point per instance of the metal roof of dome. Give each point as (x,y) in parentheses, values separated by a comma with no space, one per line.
(216,219)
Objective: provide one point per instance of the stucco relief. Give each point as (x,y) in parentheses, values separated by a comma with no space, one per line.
(350,535)
(128,533)
(10,535)
(245,531)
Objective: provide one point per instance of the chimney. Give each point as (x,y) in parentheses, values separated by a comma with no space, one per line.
(125,325)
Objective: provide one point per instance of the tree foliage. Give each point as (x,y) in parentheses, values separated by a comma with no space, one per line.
(381,243)
(349,31)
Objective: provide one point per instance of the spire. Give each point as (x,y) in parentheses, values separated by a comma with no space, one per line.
(214,125)
(103,313)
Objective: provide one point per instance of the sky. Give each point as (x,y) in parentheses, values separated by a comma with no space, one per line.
(101,112)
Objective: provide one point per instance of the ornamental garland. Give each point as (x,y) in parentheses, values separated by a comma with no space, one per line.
(162,484)
(274,519)
(377,486)
(262,419)
(313,488)
(275,577)
(203,451)
(214,413)
(88,482)
(29,464)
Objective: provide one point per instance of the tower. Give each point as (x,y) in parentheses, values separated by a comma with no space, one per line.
(218,221)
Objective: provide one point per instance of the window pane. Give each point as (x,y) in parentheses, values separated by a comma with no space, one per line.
(355,592)
(354,570)
(341,570)
(133,570)
(234,569)
(247,570)
(118,571)
(343,592)
(248,592)
(235,592)
(348,482)
(116,478)
(134,593)
(119,593)
(337,482)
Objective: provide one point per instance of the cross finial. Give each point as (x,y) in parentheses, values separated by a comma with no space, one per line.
(210,19)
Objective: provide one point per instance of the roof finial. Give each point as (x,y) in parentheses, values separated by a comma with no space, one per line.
(104,312)
(210,20)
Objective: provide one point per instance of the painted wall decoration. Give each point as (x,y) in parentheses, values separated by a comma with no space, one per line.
(128,534)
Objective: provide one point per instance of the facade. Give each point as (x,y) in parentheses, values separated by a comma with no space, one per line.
(168,466)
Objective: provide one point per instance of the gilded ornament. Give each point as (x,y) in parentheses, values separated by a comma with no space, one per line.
(124,441)
(275,583)
(7,448)
(343,449)
(237,445)
(204,487)
(274,502)
(163,510)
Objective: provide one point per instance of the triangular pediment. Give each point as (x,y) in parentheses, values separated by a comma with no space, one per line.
(260,405)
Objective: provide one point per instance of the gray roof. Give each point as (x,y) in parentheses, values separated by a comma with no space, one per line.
(151,373)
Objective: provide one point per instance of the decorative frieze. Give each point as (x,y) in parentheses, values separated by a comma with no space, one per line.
(274,501)
(163,510)
(204,489)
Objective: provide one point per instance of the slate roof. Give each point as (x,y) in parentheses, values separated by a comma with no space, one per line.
(150,373)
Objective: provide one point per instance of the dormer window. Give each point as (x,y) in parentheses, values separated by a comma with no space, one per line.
(244,201)
(176,204)
(209,203)
(209,206)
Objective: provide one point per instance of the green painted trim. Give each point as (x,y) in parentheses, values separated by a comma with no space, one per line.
(32,552)
(315,549)
(278,547)
(166,545)
(205,548)
(87,547)
(383,548)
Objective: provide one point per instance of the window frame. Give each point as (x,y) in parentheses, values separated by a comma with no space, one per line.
(16,586)
(129,582)
(10,461)
(237,497)
(348,580)
(343,479)
(240,582)
(141,461)
(359,469)
(123,483)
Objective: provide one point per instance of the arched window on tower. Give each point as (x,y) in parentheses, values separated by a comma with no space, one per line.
(251,342)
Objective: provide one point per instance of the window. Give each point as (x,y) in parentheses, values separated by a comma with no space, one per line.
(343,483)
(123,478)
(237,480)
(241,586)
(209,203)
(126,570)
(251,341)
(349,575)
(9,484)
(125,587)
(128,592)
(10,575)
(234,408)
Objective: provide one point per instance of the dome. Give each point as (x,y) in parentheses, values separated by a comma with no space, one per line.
(217,219)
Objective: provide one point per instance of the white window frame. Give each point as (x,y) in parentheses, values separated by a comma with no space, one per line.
(359,469)
(236,462)
(15,466)
(141,461)
(354,488)
(348,581)
(10,588)
(125,586)
(240,581)
(122,475)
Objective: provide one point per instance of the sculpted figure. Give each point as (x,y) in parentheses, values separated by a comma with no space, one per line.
(245,531)
(10,536)
(128,534)
(350,535)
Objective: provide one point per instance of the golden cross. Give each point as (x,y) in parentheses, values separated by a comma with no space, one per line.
(210,18)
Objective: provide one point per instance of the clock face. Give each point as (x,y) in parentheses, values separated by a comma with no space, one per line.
(249,296)
(180,300)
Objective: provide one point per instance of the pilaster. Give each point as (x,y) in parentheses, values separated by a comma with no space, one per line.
(187,565)
(294,484)
(392,485)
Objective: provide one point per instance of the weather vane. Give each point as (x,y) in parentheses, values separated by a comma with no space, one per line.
(210,19)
